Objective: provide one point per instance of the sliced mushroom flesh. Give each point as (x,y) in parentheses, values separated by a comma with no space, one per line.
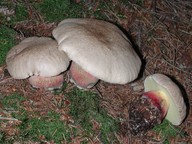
(163,97)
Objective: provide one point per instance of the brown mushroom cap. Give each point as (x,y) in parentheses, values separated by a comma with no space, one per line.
(172,94)
(36,56)
(100,48)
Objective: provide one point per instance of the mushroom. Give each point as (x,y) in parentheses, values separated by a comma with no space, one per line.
(99,50)
(39,59)
(162,99)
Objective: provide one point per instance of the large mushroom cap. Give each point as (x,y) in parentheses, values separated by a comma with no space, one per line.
(177,108)
(100,48)
(36,56)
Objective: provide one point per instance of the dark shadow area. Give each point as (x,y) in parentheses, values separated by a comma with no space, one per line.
(137,50)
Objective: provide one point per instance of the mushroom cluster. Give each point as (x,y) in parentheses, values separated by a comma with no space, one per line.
(97,49)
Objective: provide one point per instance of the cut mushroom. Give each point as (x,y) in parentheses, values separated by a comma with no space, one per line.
(39,59)
(99,50)
(162,99)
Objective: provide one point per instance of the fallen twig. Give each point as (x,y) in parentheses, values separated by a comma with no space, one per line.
(6,118)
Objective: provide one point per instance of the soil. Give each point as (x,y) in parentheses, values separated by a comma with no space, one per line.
(143,115)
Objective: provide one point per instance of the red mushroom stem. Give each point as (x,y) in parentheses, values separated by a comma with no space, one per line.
(80,77)
(158,100)
(47,82)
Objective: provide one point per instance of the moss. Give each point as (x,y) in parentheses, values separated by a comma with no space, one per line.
(49,126)
(7,40)
(57,10)
(33,126)
(168,131)
(85,108)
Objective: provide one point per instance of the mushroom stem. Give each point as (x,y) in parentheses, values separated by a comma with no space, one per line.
(50,83)
(81,78)
(147,111)
(158,100)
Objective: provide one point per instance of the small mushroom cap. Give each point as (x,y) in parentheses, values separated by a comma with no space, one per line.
(100,48)
(177,108)
(36,56)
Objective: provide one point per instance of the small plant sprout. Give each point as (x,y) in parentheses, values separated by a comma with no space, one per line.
(38,59)
(162,99)
(98,50)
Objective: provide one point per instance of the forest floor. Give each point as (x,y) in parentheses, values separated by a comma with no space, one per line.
(161,33)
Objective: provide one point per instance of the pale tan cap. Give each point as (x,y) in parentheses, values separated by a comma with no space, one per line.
(100,48)
(36,56)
